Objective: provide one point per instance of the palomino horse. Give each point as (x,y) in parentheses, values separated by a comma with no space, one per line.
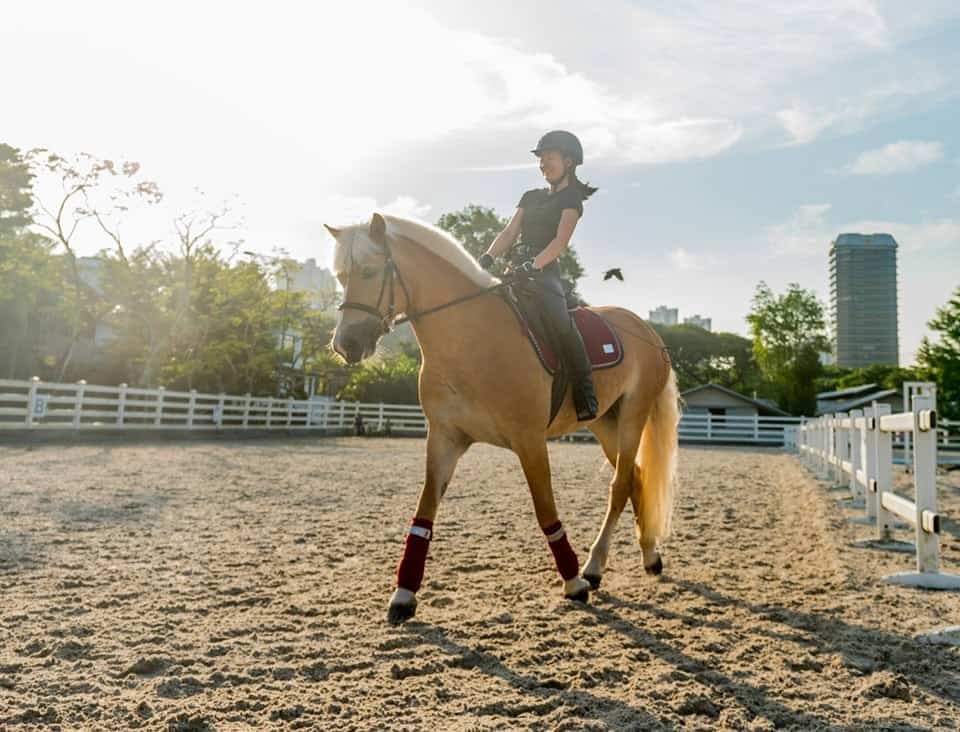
(480,381)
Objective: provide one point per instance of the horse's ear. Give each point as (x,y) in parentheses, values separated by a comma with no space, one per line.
(335,233)
(378,227)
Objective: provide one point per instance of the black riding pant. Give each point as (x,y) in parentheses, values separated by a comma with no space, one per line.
(546,289)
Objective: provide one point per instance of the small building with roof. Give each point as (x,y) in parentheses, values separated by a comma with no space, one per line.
(858,397)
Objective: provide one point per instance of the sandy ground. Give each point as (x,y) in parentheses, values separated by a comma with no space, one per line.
(243,585)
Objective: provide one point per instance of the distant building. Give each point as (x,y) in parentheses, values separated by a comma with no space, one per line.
(698,321)
(318,283)
(720,401)
(858,397)
(664,316)
(863,300)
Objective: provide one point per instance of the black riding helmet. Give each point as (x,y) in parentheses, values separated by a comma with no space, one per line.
(561,141)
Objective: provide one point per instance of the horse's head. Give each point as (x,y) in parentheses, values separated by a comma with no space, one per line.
(364,268)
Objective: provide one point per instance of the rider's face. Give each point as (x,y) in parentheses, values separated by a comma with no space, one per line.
(553,165)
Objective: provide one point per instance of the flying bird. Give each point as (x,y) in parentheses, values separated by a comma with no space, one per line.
(615,272)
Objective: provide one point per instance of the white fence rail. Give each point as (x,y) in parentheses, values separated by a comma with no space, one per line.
(856,450)
(39,405)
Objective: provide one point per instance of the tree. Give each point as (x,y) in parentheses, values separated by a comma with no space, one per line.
(31,281)
(883,375)
(941,360)
(84,196)
(16,191)
(700,357)
(391,379)
(477,226)
(788,336)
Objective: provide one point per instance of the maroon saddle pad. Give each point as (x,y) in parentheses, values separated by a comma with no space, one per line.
(601,340)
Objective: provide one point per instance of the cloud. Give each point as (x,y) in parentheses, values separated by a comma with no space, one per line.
(684,260)
(897,157)
(803,233)
(807,232)
(806,120)
(338,210)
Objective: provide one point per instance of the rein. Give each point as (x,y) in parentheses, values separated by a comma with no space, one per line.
(390,273)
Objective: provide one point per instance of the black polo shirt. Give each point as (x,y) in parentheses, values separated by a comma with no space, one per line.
(541,217)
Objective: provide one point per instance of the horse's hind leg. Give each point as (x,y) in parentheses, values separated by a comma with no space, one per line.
(443,451)
(536,468)
(620,440)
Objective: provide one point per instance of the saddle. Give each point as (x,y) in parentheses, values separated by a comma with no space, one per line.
(602,343)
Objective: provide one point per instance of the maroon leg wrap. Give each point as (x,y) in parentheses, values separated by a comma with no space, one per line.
(563,554)
(410,569)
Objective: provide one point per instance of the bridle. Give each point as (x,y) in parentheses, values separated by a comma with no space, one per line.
(390,273)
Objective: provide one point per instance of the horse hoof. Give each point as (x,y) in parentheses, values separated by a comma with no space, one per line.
(656,568)
(400,613)
(583,596)
(594,580)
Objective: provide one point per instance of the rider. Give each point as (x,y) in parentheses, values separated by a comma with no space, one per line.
(544,221)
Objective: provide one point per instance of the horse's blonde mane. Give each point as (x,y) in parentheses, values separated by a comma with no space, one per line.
(354,245)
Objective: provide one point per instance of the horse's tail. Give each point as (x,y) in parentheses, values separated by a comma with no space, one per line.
(655,473)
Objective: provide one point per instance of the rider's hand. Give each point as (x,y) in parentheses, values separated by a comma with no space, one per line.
(527,267)
(485,261)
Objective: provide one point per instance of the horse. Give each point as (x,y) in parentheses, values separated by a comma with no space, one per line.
(480,381)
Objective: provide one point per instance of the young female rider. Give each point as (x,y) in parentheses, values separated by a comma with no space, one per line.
(544,222)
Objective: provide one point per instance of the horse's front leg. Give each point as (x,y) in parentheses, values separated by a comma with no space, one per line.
(443,452)
(535,461)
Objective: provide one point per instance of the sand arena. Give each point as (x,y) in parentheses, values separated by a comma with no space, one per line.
(232,585)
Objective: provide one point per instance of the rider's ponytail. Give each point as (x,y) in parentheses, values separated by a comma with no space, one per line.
(586,190)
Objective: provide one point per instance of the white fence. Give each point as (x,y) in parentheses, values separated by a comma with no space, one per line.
(856,450)
(740,430)
(39,405)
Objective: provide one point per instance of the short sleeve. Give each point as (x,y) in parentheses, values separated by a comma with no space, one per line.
(525,199)
(572,199)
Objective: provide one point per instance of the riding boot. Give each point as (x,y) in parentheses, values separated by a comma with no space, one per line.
(581,377)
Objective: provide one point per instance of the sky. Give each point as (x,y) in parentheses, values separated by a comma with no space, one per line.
(731,142)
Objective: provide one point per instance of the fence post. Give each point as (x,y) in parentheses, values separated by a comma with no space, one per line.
(884,443)
(380,419)
(269,410)
(246,410)
(220,407)
(868,452)
(158,415)
(756,427)
(925,481)
(709,426)
(32,400)
(78,404)
(121,404)
(289,412)
(853,435)
(191,407)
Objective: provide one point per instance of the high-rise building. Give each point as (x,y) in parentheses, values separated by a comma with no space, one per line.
(863,300)
(698,321)
(664,316)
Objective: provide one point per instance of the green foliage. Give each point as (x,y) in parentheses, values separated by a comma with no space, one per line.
(884,376)
(477,226)
(700,357)
(788,336)
(391,379)
(31,305)
(16,196)
(941,360)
